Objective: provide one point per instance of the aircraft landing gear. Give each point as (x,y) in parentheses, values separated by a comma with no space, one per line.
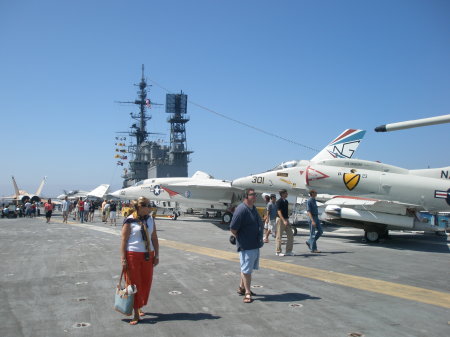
(375,236)
(384,235)
(226,217)
(371,236)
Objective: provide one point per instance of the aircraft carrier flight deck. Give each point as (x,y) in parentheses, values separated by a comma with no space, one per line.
(59,280)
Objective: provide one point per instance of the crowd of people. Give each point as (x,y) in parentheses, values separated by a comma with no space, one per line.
(29,209)
(83,210)
(140,247)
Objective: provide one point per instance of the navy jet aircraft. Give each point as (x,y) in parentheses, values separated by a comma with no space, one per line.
(97,193)
(364,194)
(22,195)
(285,175)
(202,191)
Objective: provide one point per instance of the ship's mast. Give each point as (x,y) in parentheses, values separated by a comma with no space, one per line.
(152,159)
(140,131)
(139,164)
(176,105)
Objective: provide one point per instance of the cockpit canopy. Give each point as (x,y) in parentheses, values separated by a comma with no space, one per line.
(285,165)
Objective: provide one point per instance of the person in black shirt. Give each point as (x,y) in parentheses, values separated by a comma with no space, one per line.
(112,213)
(91,211)
(283,225)
(247,227)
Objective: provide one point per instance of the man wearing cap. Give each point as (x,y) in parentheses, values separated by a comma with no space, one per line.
(247,226)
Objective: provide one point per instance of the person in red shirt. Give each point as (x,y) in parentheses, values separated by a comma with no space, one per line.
(48,209)
(81,209)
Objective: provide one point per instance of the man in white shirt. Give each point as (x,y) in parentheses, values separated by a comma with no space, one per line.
(65,208)
(28,208)
(87,204)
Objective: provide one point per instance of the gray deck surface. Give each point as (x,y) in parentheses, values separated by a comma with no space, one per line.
(57,277)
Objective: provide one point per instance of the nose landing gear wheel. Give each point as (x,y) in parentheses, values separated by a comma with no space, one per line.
(372,236)
(226,217)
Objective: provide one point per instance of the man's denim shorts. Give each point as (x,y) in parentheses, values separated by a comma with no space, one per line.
(249,260)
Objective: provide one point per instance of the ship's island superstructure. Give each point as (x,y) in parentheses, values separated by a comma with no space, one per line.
(152,159)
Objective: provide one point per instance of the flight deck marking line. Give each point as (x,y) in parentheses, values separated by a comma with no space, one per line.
(441,299)
(112,231)
(433,297)
(95,227)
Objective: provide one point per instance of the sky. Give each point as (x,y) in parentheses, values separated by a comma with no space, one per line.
(302,70)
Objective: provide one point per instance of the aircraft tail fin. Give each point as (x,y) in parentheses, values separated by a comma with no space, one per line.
(16,189)
(41,186)
(99,191)
(344,146)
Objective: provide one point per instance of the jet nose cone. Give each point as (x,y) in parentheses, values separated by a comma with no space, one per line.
(244,182)
(117,194)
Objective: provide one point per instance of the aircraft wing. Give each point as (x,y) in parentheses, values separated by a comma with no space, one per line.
(99,192)
(9,199)
(55,201)
(373,205)
(375,216)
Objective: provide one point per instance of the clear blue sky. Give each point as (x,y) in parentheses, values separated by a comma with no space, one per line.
(305,70)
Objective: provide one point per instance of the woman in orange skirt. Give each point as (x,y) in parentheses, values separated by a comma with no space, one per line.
(139,250)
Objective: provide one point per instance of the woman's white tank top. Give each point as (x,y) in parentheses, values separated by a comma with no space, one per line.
(135,241)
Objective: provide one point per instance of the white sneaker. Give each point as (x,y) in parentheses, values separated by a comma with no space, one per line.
(290,254)
(279,254)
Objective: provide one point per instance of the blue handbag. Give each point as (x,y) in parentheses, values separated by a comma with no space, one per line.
(123,301)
